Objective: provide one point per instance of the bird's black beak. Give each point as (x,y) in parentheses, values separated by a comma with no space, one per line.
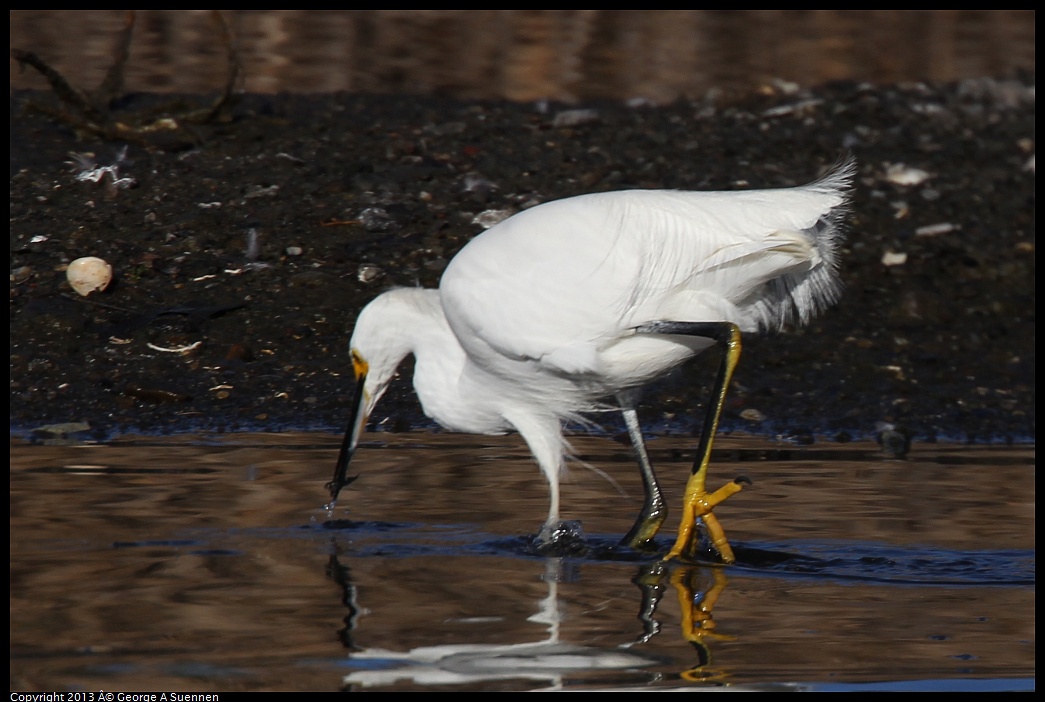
(356,423)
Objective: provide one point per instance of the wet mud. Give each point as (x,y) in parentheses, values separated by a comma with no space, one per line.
(243,250)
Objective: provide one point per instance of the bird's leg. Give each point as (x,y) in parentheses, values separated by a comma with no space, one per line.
(697,503)
(543,434)
(654,511)
(552,526)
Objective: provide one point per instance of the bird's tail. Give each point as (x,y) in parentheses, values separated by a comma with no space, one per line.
(798,297)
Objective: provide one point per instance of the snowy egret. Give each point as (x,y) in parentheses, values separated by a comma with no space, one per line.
(556,308)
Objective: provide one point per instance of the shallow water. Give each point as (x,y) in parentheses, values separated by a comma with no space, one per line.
(526,54)
(208,563)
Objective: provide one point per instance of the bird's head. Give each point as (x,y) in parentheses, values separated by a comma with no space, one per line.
(380,341)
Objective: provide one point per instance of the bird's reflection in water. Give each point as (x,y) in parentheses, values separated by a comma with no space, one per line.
(551,661)
(698,589)
(340,574)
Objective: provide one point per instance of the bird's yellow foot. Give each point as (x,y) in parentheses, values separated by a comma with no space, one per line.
(698,505)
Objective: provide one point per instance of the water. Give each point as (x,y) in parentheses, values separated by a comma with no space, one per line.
(527,54)
(208,563)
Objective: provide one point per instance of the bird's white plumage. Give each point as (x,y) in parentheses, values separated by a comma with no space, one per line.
(534,320)
(555,290)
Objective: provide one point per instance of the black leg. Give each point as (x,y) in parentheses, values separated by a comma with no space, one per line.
(698,504)
(654,511)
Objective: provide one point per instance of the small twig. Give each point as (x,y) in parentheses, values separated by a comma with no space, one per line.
(234,67)
(96,303)
(180,349)
(111,87)
(92,112)
(67,93)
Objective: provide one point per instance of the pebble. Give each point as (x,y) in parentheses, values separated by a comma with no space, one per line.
(89,274)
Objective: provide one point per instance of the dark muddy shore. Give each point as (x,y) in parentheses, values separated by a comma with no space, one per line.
(256,241)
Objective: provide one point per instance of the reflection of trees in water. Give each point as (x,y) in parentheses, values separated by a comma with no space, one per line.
(536,54)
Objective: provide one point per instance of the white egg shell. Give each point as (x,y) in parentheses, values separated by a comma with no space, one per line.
(89,274)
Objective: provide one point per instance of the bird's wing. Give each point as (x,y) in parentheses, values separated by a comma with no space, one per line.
(543,285)
(557,282)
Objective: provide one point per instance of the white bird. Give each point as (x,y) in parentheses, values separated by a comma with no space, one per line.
(548,313)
